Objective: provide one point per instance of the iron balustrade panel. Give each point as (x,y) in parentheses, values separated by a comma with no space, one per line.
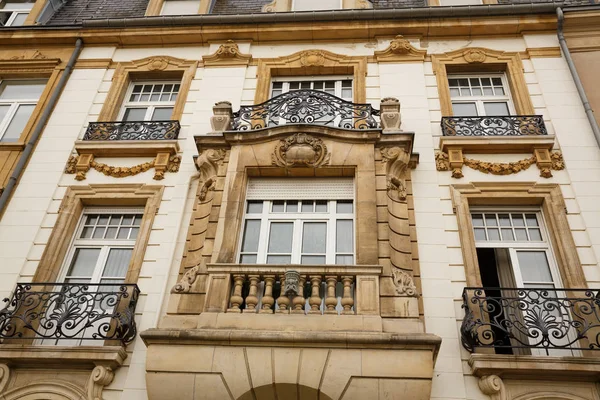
(132,130)
(547,319)
(524,125)
(306,107)
(70,311)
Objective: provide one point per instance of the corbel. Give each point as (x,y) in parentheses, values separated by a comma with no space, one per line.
(101,377)
(397,161)
(400,50)
(228,54)
(207,164)
(493,386)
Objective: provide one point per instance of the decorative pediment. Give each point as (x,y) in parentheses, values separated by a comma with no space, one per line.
(28,60)
(400,50)
(227,54)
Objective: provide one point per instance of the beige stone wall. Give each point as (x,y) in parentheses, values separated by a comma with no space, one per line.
(587,64)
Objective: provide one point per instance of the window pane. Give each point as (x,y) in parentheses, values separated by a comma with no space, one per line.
(84,262)
(111,233)
(19,120)
(507,235)
(250,238)
(344,207)
(17,4)
(496,109)
(280,238)
(534,266)
(344,260)
(278,206)
(123,233)
(521,234)
(504,219)
(279,259)
(99,233)
(162,114)
(314,237)
(3,112)
(321,206)
(180,7)
(477,219)
(117,263)
(535,235)
(493,234)
(344,236)
(19,19)
(134,233)
(518,220)
(464,109)
(17,90)
(291,207)
(307,206)
(490,220)
(313,260)
(254,207)
(248,259)
(531,220)
(134,114)
(480,234)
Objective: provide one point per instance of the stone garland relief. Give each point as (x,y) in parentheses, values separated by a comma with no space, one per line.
(80,165)
(300,150)
(546,162)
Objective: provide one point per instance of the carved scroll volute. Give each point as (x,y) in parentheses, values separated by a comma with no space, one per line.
(493,386)
(222,116)
(390,114)
(101,376)
(397,161)
(207,164)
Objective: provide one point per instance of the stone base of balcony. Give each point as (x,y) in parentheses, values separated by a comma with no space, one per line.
(126,148)
(497,144)
(62,356)
(250,364)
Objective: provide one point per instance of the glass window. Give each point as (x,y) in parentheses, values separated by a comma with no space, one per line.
(150,101)
(479,95)
(15,12)
(338,86)
(18,99)
(314,5)
(180,7)
(506,227)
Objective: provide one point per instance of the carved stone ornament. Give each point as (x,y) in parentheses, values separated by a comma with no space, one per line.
(270,7)
(292,283)
(363,4)
(158,64)
(4,376)
(400,49)
(101,377)
(405,286)
(493,386)
(441,161)
(300,150)
(187,280)
(207,164)
(391,119)
(227,54)
(397,161)
(80,165)
(312,58)
(475,56)
(222,116)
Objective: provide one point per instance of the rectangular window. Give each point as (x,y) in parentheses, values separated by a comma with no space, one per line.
(150,101)
(102,246)
(15,12)
(312,227)
(314,5)
(480,95)
(18,99)
(339,86)
(180,7)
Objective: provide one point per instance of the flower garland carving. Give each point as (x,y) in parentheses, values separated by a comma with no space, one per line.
(227,54)
(300,150)
(400,49)
(80,165)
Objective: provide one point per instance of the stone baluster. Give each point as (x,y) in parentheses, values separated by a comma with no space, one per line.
(347,299)
(315,298)
(252,298)
(299,300)
(268,300)
(236,299)
(330,297)
(283,301)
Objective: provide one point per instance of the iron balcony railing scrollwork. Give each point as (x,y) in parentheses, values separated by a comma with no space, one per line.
(542,318)
(132,130)
(512,125)
(76,311)
(306,107)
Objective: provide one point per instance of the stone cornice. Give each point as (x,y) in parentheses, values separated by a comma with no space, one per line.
(63,356)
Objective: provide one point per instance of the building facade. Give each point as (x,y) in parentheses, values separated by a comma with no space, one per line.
(297,199)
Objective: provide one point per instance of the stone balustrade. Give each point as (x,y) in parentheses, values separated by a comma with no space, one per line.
(293,289)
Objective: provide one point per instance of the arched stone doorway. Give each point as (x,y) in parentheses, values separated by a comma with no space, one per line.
(284,391)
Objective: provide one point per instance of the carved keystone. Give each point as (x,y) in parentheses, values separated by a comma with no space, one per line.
(390,114)
(222,116)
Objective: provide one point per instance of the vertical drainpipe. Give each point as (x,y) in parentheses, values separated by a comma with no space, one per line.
(565,50)
(39,127)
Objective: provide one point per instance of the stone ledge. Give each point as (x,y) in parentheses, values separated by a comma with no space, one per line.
(62,356)
(538,367)
(126,148)
(313,339)
(497,144)
(351,270)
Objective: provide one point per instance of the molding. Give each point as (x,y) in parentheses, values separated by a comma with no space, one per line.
(228,54)
(305,269)
(93,63)
(62,356)
(126,148)
(400,50)
(550,199)
(498,144)
(20,65)
(551,52)
(300,150)
(479,59)
(311,62)
(149,67)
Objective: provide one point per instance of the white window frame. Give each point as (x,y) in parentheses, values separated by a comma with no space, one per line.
(14,104)
(14,12)
(341,6)
(298,219)
(150,106)
(197,2)
(460,3)
(481,100)
(105,245)
(315,78)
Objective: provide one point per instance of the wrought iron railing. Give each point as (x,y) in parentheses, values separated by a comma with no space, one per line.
(132,130)
(542,318)
(306,107)
(76,311)
(522,125)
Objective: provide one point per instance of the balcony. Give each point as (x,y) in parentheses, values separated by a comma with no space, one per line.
(76,312)
(526,125)
(132,130)
(536,321)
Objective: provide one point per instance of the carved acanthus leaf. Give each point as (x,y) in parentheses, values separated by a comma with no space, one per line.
(405,286)
(101,377)
(227,54)
(187,280)
(207,164)
(300,150)
(397,162)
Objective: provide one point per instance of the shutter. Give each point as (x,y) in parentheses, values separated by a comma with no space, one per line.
(300,189)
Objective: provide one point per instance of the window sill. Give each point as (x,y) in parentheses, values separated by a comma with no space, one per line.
(494,145)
